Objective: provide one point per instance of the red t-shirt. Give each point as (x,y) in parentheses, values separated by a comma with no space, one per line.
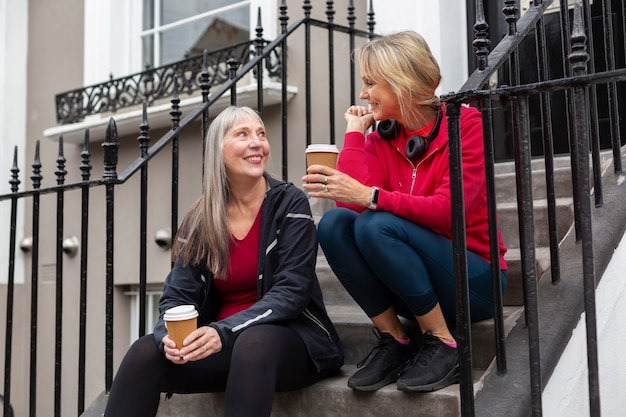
(239,290)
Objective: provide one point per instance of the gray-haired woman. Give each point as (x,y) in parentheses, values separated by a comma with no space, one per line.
(263,326)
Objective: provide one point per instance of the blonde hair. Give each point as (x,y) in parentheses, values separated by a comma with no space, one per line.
(404,61)
(204,235)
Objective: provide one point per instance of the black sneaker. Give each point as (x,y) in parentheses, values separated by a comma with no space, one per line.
(434,367)
(384,367)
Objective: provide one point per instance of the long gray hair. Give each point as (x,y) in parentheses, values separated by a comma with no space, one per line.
(204,235)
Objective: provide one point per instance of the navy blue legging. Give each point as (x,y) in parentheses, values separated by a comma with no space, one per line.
(265,358)
(384,260)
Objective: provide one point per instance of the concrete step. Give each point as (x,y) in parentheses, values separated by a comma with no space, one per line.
(506,186)
(509,225)
(355,331)
(331,398)
(514,294)
(334,293)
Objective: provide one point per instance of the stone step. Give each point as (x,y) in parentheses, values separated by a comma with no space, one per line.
(506,185)
(514,295)
(355,331)
(508,222)
(332,398)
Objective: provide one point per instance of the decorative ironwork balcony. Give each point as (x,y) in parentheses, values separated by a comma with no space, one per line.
(157,83)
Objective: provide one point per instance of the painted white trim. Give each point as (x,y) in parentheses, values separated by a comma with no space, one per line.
(107,47)
(13,93)
(567,392)
(152,312)
(428,18)
(96,46)
(269,18)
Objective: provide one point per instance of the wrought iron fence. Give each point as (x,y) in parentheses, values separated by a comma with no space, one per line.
(219,70)
(578,84)
(579,87)
(154,84)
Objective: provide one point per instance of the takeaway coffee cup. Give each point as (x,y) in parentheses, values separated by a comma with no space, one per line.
(321,154)
(180,322)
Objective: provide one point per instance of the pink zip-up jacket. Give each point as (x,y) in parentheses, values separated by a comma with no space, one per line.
(420,191)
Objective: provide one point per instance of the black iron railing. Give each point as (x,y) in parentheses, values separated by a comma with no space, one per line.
(220,70)
(507,100)
(154,84)
(578,85)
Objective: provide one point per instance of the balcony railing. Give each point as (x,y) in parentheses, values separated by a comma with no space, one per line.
(154,84)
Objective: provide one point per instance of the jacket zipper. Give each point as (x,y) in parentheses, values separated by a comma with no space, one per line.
(315,320)
(415,167)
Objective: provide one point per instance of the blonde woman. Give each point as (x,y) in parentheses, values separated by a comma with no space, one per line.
(245,258)
(389,240)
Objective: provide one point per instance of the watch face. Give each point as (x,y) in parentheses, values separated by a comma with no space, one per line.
(374,196)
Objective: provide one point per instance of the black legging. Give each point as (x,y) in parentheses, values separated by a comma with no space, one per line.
(264,359)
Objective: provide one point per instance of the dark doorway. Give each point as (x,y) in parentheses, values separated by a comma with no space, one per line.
(556,68)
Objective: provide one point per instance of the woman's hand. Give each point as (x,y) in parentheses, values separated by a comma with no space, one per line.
(201,343)
(358,119)
(324,182)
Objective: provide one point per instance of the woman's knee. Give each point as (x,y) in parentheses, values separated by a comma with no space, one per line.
(144,353)
(261,345)
(335,225)
(373,229)
(372,224)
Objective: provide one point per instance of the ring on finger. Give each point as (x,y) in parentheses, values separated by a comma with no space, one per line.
(325,179)
(325,188)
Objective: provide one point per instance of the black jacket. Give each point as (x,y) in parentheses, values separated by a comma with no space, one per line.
(288,290)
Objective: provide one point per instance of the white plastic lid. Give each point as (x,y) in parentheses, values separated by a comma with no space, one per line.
(184,312)
(322,147)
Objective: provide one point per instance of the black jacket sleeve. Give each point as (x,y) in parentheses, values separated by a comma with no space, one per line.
(183,285)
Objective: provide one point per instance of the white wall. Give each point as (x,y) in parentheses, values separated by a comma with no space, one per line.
(428,18)
(13,57)
(567,392)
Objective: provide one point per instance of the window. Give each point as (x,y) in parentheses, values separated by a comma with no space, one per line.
(175,28)
(152,312)
(122,36)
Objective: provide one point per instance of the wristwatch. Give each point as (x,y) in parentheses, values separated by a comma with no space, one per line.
(373,199)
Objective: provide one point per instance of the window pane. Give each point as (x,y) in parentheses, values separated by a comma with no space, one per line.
(187,35)
(148,50)
(209,33)
(174,10)
(148,14)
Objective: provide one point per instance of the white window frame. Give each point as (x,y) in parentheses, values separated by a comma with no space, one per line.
(152,305)
(112,41)
(13,82)
(428,18)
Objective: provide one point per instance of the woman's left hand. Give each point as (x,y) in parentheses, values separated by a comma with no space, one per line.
(324,182)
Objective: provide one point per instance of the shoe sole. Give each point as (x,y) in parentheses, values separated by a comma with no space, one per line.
(451,378)
(389,379)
